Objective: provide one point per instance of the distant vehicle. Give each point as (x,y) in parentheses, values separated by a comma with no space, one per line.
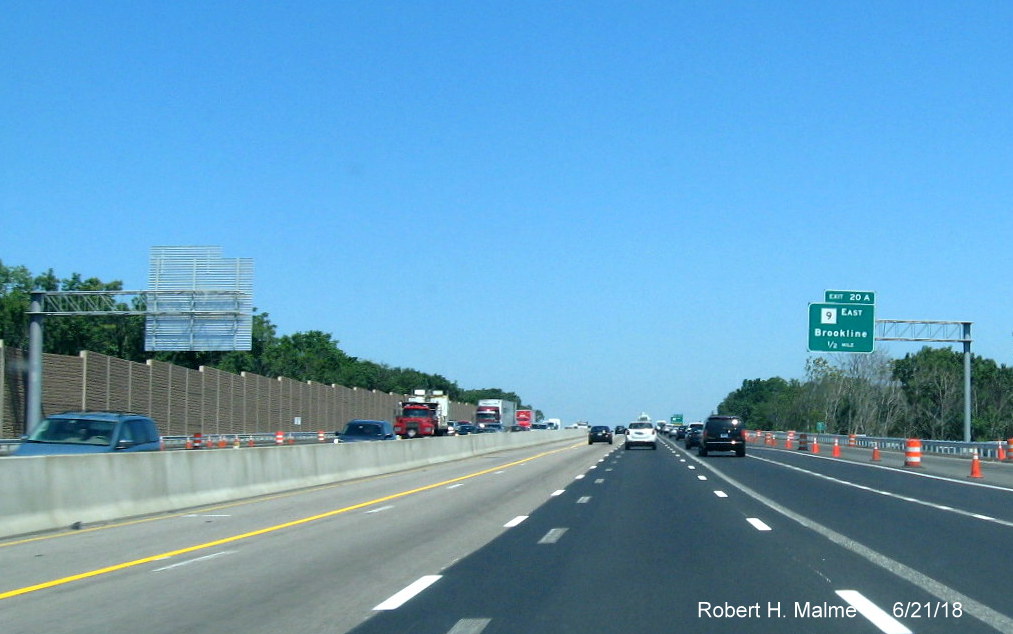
(463,429)
(553,423)
(722,433)
(360,430)
(491,428)
(680,432)
(424,413)
(91,432)
(641,432)
(525,417)
(519,428)
(692,437)
(599,433)
(495,411)
(620,429)
(539,425)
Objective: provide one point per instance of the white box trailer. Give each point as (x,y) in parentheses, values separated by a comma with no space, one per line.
(496,411)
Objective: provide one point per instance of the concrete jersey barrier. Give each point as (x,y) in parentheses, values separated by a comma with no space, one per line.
(39,493)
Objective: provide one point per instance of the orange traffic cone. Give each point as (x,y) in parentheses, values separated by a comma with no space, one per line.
(189,443)
(1000,454)
(837,449)
(875,453)
(816,445)
(975,466)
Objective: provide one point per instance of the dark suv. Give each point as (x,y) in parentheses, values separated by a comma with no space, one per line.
(722,433)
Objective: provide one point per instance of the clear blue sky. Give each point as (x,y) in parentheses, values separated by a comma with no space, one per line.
(607,207)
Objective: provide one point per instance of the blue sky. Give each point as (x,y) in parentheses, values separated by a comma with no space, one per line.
(607,207)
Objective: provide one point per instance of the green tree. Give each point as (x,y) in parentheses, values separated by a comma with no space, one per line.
(932,381)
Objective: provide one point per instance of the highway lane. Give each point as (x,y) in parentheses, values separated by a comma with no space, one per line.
(535,540)
(940,528)
(313,560)
(655,541)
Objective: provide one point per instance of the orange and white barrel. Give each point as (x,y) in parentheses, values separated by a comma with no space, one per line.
(279,438)
(913,453)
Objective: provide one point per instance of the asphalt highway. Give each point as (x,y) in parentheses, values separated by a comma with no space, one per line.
(569,538)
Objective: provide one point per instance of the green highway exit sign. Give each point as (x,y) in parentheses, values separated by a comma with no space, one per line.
(849,297)
(676,418)
(842,327)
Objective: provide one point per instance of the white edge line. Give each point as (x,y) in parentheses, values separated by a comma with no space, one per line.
(399,598)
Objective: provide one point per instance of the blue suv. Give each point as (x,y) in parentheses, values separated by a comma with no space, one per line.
(91,432)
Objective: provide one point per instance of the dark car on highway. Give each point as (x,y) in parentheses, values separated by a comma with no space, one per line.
(599,433)
(692,437)
(722,433)
(364,430)
(463,429)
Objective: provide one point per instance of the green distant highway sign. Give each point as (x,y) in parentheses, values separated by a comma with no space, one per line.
(842,327)
(676,419)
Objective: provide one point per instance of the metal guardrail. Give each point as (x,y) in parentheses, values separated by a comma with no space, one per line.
(986,450)
(215,441)
(220,441)
(956,448)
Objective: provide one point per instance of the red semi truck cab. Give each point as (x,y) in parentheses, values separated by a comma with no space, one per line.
(417,419)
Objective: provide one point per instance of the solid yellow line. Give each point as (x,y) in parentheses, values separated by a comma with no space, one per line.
(262,531)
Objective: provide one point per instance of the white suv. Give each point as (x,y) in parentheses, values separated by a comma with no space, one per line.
(641,433)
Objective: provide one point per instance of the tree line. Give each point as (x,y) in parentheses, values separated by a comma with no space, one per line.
(918,396)
(302,356)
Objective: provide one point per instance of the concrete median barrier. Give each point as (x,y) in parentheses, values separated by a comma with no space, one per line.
(40,493)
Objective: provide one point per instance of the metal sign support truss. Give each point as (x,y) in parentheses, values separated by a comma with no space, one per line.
(934,331)
(229,305)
